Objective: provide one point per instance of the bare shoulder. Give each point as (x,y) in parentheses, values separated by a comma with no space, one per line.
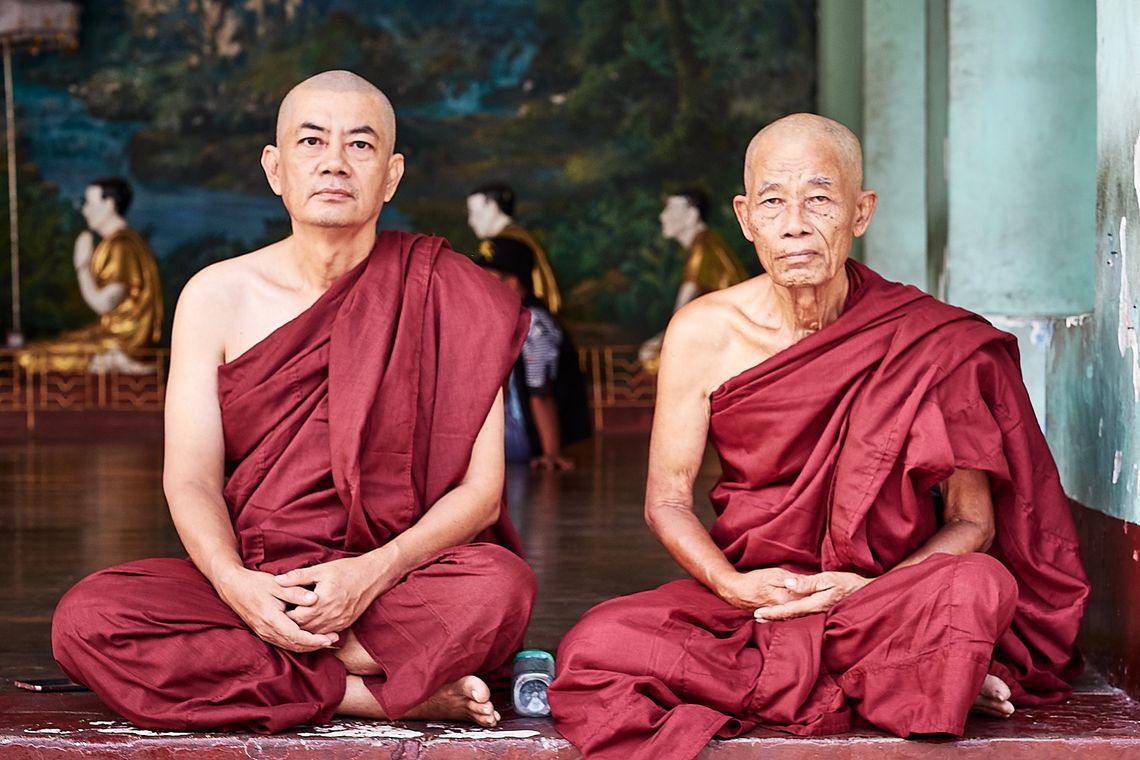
(715,336)
(214,299)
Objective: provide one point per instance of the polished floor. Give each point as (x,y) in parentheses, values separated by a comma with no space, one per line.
(69,507)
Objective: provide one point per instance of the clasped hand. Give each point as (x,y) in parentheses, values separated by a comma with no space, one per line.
(84,249)
(305,609)
(775,594)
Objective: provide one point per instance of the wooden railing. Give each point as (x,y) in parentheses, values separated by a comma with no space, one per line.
(615,380)
(38,390)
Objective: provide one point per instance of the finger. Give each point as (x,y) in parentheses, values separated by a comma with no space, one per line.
(809,584)
(297,638)
(809,605)
(302,576)
(298,595)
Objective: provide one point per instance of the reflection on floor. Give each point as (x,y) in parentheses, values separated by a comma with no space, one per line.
(68,508)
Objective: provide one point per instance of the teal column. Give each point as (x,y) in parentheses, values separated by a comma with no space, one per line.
(1021,152)
(894,137)
(840,59)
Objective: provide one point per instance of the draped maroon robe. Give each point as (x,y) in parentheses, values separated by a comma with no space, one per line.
(829,451)
(341,429)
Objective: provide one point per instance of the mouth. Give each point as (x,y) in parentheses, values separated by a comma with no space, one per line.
(333,193)
(797,257)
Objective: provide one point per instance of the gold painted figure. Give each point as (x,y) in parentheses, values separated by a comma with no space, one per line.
(490,210)
(118,279)
(709,265)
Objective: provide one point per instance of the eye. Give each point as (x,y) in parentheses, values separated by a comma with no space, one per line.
(311,141)
(362,145)
(770,202)
(819,199)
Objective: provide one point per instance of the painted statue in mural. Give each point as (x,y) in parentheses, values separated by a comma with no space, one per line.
(710,264)
(334,467)
(118,278)
(490,213)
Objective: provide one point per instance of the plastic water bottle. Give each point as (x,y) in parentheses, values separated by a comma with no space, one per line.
(534,670)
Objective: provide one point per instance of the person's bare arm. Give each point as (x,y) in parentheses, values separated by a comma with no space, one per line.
(545,413)
(676,448)
(100,299)
(344,588)
(968,526)
(193,472)
(967,517)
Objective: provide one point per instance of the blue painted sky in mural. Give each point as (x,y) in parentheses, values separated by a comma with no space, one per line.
(71,147)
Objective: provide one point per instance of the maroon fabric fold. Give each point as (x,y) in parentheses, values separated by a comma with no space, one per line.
(862,419)
(389,376)
(829,451)
(340,430)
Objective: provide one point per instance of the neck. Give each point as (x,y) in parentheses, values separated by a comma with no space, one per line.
(110,226)
(686,236)
(323,255)
(499,223)
(807,309)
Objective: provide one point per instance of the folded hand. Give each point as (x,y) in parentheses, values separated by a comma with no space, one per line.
(260,601)
(342,590)
(810,594)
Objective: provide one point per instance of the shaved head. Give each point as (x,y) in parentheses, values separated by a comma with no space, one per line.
(808,127)
(340,82)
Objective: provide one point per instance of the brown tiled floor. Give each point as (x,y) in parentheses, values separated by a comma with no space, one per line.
(69,507)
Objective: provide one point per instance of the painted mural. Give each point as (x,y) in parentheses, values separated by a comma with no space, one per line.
(590,109)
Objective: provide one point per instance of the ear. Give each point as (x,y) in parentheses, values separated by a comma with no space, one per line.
(271,163)
(740,206)
(395,174)
(864,210)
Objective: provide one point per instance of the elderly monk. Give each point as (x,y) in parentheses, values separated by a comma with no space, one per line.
(891,540)
(334,443)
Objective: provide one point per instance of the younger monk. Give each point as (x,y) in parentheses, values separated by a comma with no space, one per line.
(833,583)
(334,442)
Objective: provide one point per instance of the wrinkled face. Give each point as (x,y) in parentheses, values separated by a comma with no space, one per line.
(333,165)
(96,209)
(802,210)
(482,215)
(677,215)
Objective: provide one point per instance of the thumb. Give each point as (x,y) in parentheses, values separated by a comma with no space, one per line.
(807,584)
(302,576)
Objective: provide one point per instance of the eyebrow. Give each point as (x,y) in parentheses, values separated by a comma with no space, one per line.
(819,180)
(364,130)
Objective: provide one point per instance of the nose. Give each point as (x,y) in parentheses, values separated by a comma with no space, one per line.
(794,223)
(334,161)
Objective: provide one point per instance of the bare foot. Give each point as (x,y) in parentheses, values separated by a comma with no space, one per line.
(465,699)
(993,699)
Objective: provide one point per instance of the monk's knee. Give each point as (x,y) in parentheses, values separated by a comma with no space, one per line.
(988,584)
(499,581)
(595,641)
(81,622)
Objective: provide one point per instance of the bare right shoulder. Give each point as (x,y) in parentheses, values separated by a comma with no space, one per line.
(212,303)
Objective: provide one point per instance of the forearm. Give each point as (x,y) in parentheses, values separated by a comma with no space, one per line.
(203,524)
(955,537)
(101,300)
(457,518)
(689,543)
(546,423)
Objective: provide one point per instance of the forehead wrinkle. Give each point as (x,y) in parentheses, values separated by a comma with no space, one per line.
(334,83)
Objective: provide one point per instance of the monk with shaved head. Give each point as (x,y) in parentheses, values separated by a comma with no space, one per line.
(891,539)
(334,467)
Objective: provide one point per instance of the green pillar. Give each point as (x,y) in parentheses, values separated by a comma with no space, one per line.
(1021,153)
(894,137)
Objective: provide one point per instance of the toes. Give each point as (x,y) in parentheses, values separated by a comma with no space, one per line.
(475,689)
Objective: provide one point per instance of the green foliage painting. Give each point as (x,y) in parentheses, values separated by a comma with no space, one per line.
(591,109)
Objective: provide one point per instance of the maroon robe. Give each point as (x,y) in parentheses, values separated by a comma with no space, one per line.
(341,428)
(829,451)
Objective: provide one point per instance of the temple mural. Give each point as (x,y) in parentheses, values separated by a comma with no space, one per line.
(592,110)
